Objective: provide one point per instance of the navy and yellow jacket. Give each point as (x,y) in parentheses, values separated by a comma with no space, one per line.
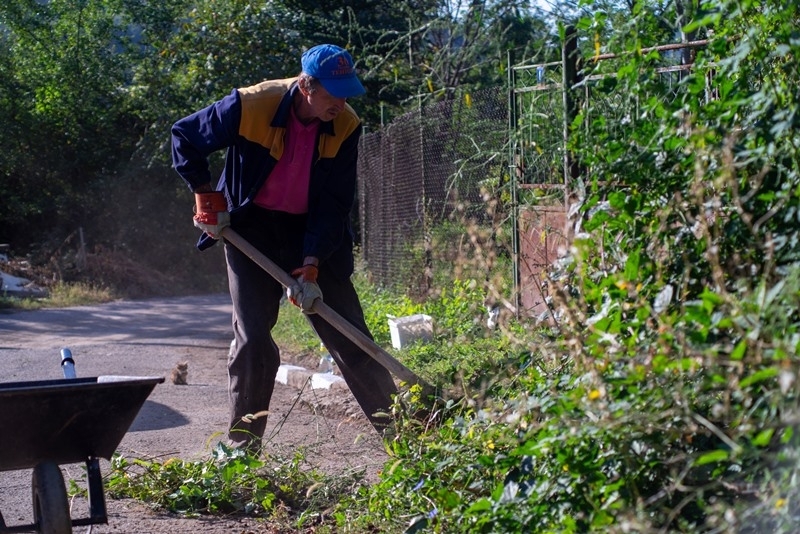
(250,124)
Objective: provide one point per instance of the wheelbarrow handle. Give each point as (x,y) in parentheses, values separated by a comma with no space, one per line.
(67,363)
(329,314)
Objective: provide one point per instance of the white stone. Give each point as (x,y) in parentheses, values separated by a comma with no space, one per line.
(283,372)
(324,380)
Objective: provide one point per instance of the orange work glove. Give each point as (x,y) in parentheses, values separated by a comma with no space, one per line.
(211,212)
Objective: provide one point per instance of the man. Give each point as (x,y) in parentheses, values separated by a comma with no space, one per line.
(289,184)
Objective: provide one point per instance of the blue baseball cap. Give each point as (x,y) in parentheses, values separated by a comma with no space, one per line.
(333,67)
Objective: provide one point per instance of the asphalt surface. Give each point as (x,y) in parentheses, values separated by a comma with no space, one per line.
(127,324)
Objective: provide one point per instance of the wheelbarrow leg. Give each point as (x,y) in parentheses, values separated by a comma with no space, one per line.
(50,503)
(97,500)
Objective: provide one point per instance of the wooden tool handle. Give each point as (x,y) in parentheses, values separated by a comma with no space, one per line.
(326,312)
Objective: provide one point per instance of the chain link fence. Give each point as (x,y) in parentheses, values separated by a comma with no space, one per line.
(429,190)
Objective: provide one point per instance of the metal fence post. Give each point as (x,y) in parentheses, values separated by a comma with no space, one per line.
(569,58)
(427,275)
(512,182)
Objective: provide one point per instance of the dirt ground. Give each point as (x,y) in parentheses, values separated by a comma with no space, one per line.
(147,338)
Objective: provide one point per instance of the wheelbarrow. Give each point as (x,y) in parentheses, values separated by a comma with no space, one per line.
(52,422)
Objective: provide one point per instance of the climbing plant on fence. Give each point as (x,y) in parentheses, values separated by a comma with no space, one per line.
(685,276)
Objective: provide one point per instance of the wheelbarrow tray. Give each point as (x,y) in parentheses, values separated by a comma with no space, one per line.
(68,420)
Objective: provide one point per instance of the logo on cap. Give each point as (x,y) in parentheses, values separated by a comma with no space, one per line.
(344,68)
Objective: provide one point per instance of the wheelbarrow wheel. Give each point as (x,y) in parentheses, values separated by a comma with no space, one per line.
(50,504)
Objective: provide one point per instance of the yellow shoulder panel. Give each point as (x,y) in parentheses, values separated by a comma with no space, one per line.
(259,104)
(343,125)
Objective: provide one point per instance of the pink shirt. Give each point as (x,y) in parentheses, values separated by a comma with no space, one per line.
(286,188)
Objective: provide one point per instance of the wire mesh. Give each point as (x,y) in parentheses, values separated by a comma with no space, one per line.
(539,127)
(426,188)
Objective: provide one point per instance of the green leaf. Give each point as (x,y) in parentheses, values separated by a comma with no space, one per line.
(584,23)
(597,220)
(481,505)
(718,455)
(739,350)
(710,300)
(632,266)
(763,438)
(758,376)
(617,200)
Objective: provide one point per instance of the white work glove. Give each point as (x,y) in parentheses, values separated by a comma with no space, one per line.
(305,290)
(211,213)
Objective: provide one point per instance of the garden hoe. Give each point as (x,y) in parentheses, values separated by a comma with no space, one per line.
(329,314)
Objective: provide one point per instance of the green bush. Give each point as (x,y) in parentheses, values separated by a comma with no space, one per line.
(667,398)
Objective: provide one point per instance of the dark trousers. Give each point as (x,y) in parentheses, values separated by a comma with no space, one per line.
(256,298)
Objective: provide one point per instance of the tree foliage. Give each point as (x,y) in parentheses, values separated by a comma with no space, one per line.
(64,64)
(89,89)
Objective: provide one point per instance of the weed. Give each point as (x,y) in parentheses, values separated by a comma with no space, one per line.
(231,481)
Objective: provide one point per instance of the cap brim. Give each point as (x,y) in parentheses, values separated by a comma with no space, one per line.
(343,87)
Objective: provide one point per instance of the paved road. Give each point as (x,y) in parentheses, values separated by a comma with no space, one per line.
(124,323)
